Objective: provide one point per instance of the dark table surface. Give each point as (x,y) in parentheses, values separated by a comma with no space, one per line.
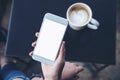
(86,45)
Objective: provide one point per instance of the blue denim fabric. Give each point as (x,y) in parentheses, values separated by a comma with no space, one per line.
(16,74)
(9,73)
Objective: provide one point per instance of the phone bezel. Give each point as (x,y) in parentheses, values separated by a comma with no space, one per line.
(58,20)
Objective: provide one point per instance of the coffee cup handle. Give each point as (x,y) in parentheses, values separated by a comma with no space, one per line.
(93,24)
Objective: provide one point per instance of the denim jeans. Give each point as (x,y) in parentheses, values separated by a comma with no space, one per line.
(9,73)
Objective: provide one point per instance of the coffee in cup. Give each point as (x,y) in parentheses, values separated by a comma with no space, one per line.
(79,15)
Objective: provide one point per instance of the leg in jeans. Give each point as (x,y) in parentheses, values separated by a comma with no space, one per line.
(8,72)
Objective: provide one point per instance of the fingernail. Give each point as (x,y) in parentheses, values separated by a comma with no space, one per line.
(64,42)
(81,68)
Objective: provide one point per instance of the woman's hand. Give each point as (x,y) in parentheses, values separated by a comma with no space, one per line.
(53,72)
(70,69)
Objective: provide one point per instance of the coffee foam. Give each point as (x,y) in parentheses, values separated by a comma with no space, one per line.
(79,17)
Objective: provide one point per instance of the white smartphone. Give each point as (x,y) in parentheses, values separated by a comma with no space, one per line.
(49,41)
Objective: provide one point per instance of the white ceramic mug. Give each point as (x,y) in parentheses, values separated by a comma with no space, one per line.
(79,15)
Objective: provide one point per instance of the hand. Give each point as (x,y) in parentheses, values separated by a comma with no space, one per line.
(70,69)
(53,72)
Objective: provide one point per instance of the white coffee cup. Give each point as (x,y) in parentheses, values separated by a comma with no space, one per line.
(79,15)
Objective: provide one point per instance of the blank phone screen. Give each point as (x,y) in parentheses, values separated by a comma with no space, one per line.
(49,40)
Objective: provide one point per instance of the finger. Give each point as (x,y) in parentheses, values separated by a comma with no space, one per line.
(61,55)
(76,64)
(37,34)
(60,59)
(31,53)
(34,44)
(79,69)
